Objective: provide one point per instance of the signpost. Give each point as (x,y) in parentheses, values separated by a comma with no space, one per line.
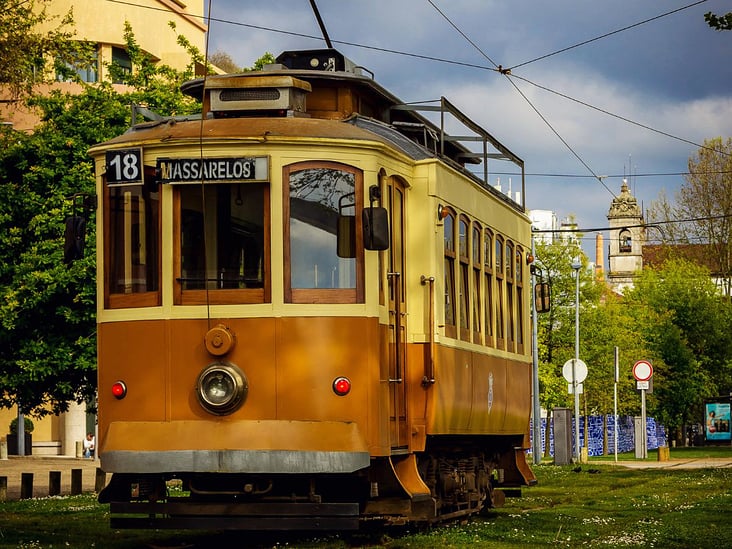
(575,372)
(643,372)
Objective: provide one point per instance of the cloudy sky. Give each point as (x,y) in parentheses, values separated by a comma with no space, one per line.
(660,67)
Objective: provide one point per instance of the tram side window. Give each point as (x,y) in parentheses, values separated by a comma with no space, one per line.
(476,300)
(322,199)
(488,274)
(519,281)
(223,242)
(464,280)
(449,236)
(511,316)
(499,292)
(132,246)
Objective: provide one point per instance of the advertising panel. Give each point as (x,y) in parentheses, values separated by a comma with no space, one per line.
(717,421)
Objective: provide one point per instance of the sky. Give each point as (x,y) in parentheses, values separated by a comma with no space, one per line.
(664,78)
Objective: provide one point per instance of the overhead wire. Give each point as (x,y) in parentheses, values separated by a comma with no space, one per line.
(495,68)
(507,73)
(624,119)
(606,35)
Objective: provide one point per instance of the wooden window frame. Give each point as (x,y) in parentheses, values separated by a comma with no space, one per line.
(137,299)
(488,244)
(520,302)
(464,278)
(449,278)
(498,246)
(476,301)
(323,295)
(228,296)
(510,296)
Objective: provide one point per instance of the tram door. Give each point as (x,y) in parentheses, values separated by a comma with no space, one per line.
(397,317)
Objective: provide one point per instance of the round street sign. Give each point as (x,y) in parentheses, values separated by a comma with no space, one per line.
(580,369)
(642,370)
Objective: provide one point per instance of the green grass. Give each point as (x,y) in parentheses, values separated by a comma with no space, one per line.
(610,507)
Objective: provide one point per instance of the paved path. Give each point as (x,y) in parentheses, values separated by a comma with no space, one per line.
(13,468)
(697,463)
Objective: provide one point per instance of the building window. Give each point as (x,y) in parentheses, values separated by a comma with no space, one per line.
(449,239)
(323,243)
(626,242)
(85,73)
(132,246)
(122,65)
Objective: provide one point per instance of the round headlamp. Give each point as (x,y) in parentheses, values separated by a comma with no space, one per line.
(222,388)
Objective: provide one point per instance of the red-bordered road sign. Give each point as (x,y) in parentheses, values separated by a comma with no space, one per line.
(642,370)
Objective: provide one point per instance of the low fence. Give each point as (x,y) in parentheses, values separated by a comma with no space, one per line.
(655,433)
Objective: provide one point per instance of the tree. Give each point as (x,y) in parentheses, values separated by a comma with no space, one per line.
(224,61)
(719,22)
(689,330)
(556,328)
(29,56)
(47,309)
(702,214)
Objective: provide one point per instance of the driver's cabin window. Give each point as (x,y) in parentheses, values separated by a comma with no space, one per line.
(323,241)
(223,243)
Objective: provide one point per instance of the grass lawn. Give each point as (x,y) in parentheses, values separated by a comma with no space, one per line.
(599,505)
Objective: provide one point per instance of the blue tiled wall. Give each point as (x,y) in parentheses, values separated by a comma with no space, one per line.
(655,432)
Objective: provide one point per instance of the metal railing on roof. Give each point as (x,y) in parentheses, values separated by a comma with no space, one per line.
(492,148)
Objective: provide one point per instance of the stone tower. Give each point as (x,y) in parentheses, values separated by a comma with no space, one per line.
(627,235)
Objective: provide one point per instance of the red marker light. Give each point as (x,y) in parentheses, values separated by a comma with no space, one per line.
(341,386)
(119,389)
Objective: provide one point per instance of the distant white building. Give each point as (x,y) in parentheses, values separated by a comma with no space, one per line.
(544,223)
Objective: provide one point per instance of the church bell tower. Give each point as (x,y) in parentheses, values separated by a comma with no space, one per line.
(627,235)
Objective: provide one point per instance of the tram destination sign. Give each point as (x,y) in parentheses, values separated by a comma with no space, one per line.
(196,170)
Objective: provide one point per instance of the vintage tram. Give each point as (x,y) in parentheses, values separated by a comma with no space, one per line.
(311,313)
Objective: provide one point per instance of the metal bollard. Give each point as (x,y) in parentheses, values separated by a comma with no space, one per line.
(79,449)
(100,481)
(54,483)
(26,485)
(75,482)
(3,449)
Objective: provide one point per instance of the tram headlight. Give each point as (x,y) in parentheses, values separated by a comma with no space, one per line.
(221,388)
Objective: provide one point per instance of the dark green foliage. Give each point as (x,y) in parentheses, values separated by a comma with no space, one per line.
(719,22)
(47,308)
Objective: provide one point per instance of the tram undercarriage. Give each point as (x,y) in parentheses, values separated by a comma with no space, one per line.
(435,486)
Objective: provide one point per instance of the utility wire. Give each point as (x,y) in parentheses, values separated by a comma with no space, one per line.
(607,34)
(495,68)
(624,119)
(507,73)
(639,225)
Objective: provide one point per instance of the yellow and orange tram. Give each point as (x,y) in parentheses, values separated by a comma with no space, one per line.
(311,313)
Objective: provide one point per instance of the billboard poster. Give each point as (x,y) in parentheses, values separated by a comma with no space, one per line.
(717,421)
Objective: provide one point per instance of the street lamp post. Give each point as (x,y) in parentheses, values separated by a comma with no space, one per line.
(576,265)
